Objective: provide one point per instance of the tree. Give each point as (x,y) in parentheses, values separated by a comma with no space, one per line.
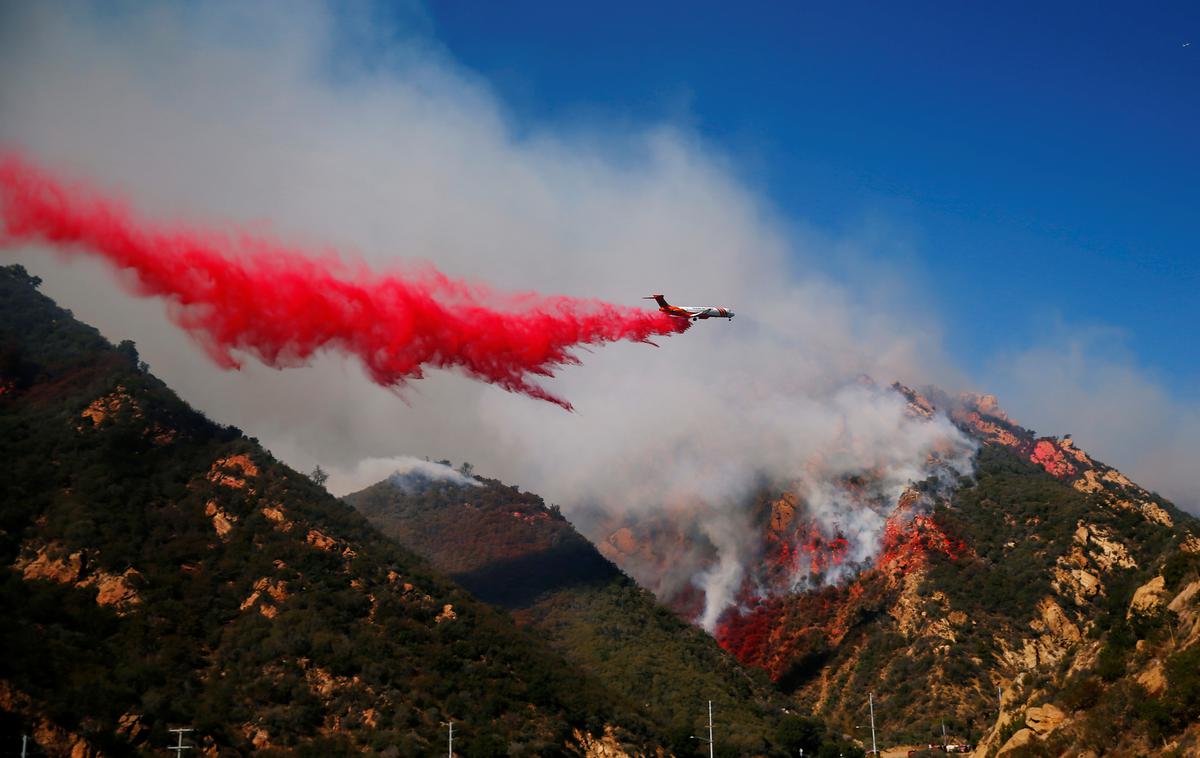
(128,349)
(798,733)
(318,476)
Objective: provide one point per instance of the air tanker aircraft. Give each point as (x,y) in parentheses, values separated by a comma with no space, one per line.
(691,312)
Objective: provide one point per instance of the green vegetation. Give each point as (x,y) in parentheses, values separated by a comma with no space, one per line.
(1181,568)
(508,548)
(349,658)
(1019,521)
(267,610)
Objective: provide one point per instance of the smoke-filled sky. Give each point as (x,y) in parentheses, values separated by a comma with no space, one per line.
(362,131)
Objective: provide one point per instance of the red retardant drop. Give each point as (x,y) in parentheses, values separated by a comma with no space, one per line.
(253,294)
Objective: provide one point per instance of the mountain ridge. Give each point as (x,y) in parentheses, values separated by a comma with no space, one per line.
(160,570)
(1024,566)
(508,548)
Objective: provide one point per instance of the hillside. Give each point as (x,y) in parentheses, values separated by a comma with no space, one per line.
(1047,580)
(508,548)
(161,571)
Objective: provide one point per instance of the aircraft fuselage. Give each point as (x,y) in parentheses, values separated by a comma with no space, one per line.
(690,312)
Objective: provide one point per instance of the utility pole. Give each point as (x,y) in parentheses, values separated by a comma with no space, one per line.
(24,740)
(710,732)
(943,734)
(451,725)
(871,702)
(180,747)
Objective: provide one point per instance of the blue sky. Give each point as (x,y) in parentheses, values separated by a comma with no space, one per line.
(1036,167)
(1027,179)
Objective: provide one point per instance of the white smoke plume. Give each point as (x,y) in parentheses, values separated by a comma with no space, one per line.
(406,472)
(778,436)
(271,116)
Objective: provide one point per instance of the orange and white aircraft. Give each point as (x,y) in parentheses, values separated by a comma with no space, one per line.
(691,312)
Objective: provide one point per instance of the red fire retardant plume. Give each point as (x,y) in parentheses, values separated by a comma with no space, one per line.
(237,292)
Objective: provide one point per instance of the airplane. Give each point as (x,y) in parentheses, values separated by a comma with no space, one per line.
(694,313)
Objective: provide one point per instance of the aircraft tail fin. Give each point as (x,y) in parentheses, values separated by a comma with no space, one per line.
(658,298)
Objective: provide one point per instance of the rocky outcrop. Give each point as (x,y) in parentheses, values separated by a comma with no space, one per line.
(1043,720)
(232,471)
(222,520)
(1147,598)
(117,590)
(267,595)
(1056,636)
(53,562)
(982,417)
(1040,721)
(1051,457)
(1186,597)
(258,736)
(47,737)
(1186,606)
(783,512)
(1021,738)
(1094,553)
(1103,549)
(1152,677)
(320,540)
(604,746)
(109,405)
(275,514)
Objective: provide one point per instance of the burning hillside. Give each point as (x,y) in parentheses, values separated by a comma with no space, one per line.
(939,591)
(845,508)
(842,523)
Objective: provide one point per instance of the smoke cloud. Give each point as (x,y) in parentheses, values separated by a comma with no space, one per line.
(1087,382)
(406,472)
(242,113)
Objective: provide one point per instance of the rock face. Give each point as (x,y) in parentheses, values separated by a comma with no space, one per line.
(1020,739)
(1040,721)
(222,521)
(116,590)
(1043,720)
(1148,597)
(52,562)
(233,471)
(47,737)
(103,407)
(604,746)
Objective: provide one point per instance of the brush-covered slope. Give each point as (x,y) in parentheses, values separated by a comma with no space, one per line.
(159,570)
(1046,580)
(508,548)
